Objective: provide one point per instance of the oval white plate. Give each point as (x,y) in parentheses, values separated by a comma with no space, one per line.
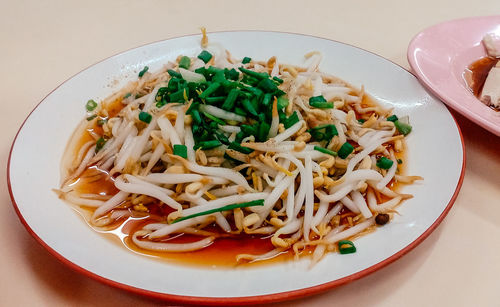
(435,152)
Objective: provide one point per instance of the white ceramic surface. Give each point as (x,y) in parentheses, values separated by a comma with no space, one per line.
(435,152)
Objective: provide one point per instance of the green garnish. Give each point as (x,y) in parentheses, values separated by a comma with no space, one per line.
(291,120)
(346,247)
(259,202)
(345,150)
(208,144)
(205,56)
(361,120)
(143,71)
(392,118)
(402,127)
(99,144)
(239,148)
(246,60)
(101,122)
(254,74)
(317,99)
(185,62)
(180,150)
(127,95)
(210,90)
(91,117)
(215,119)
(325,150)
(321,105)
(384,163)
(400,161)
(230,99)
(91,105)
(174,74)
(145,117)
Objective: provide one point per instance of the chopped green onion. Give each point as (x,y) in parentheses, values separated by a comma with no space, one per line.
(101,122)
(91,105)
(174,74)
(143,71)
(240,148)
(259,202)
(215,119)
(230,99)
(384,163)
(251,73)
(278,80)
(127,95)
(208,144)
(282,102)
(400,161)
(324,150)
(196,116)
(177,96)
(180,150)
(263,131)
(345,150)
(222,138)
(185,62)
(317,99)
(402,127)
(99,144)
(346,247)
(248,106)
(317,135)
(212,100)
(267,85)
(291,120)
(246,60)
(361,120)
(210,90)
(240,111)
(145,117)
(91,117)
(321,104)
(205,56)
(392,118)
(231,74)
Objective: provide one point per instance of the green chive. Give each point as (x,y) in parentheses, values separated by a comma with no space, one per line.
(145,117)
(254,74)
(240,111)
(143,71)
(215,119)
(267,85)
(392,118)
(400,161)
(282,102)
(185,62)
(317,135)
(205,56)
(91,117)
(291,120)
(345,150)
(384,163)
(231,74)
(222,138)
(278,80)
(99,144)
(213,100)
(317,99)
(240,148)
(174,74)
(127,95)
(230,99)
(246,60)
(346,247)
(263,132)
(259,202)
(180,150)
(91,105)
(266,100)
(402,127)
(177,96)
(248,106)
(101,122)
(361,120)
(321,104)
(210,90)
(208,144)
(196,116)
(325,150)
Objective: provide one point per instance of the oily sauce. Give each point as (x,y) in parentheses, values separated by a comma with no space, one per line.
(221,253)
(475,74)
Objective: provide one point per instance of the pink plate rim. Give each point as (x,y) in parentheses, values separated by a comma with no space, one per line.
(444,83)
(246,300)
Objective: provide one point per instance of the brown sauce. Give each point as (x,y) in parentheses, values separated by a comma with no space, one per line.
(475,74)
(222,252)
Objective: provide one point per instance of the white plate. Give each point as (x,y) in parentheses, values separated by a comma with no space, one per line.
(435,152)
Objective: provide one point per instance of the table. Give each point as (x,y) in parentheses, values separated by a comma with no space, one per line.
(44,43)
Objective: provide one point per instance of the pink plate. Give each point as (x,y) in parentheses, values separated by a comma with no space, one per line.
(439,54)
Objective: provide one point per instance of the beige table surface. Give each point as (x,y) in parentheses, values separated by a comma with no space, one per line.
(43,43)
